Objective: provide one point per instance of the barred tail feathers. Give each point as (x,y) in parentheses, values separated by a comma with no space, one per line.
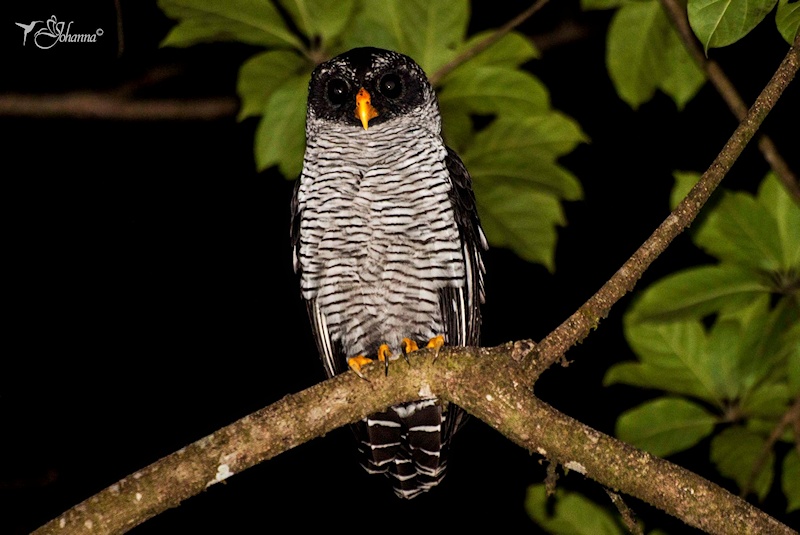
(408,443)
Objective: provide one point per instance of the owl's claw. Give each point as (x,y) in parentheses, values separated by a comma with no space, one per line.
(356,363)
(383,355)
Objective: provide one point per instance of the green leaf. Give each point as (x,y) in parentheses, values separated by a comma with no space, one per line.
(429,31)
(683,78)
(718,23)
(512,163)
(769,401)
(786,213)
(697,292)
(637,39)
(665,425)
(791,480)
(280,137)
(547,135)
(787,18)
(736,451)
(262,74)
(649,376)
(674,354)
(250,21)
(518,170)
(684,182)
(321,18)
(742,231)
(375,26)
(765,344)
(486,90)
(723,347)
(520,218)
(512,50)
(573,514)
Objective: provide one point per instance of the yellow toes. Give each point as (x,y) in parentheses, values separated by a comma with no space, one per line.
(356,363)
(436,342)
(409,345)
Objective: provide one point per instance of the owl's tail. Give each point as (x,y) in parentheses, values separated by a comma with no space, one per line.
(409,443)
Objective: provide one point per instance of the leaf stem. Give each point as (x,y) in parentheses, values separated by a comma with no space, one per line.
(790,418)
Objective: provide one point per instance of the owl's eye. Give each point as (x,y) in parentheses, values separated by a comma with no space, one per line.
(338,91)
(391,86)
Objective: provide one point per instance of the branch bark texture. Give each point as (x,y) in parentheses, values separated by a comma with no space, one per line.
(485,382)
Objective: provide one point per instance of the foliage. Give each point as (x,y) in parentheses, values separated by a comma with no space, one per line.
(572,514)
(644,52)
(512,159)
(721,341)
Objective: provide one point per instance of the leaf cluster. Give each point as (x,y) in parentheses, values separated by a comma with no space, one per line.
(496,115)
(722,342)
(644,52)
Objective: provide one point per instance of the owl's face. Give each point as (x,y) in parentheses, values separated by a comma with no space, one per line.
(368,86)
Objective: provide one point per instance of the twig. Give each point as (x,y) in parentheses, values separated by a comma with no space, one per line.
(628,518)
(486,43)
(486,382)
(579,324)
(87,105)
(790,418)
(677,14)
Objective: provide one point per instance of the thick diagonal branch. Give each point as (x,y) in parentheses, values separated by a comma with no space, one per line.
(486,382)
(579,324)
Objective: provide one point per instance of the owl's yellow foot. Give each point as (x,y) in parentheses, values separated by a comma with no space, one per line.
(358,362)
(436,342)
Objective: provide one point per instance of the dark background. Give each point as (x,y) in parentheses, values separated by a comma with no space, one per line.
(149,297)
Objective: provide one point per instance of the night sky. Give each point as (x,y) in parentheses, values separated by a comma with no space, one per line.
(150,299)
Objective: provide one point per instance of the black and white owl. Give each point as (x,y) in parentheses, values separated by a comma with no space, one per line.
(387,243)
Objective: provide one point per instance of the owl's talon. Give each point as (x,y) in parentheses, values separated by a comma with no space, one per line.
(383,355)
(409,345)
(436,344)
(356,363)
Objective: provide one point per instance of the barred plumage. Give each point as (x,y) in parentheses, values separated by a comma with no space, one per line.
(387,244)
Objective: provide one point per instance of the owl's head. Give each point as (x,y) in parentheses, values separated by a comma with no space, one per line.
(366,87)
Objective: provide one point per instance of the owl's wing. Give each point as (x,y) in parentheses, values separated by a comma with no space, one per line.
(461,306)
(332,353)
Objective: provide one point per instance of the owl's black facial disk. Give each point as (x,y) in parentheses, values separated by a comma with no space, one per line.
(395,86)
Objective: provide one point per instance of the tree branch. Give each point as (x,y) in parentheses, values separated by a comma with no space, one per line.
(485,382)
(588,316)
(113,105)
(480,46)
(677,14)
(790,418)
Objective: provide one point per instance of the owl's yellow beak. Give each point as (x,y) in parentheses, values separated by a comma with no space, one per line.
(364,109)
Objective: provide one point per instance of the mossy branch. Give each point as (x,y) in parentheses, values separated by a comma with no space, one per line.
(488,383)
